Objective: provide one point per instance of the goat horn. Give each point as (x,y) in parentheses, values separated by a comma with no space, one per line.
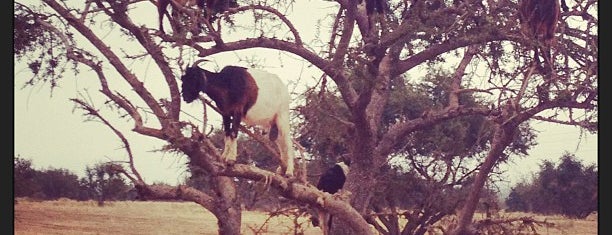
(199,61)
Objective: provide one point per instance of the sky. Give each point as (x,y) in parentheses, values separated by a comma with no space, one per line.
(52,134)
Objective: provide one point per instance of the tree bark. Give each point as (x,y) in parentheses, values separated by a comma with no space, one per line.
(502,137)
(305,193)
(227,208)
(360,183)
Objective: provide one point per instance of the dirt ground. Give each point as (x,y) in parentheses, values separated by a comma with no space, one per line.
(138,217)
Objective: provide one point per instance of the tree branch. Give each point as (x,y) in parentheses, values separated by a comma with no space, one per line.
(303,193)
(112,58)
(400,130)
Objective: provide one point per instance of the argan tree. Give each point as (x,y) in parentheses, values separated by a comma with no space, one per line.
(364,51)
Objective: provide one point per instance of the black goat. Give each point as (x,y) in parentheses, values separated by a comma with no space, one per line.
(331,182)
(162,8)
(210,7)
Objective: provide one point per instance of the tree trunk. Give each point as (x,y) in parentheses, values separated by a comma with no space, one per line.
(360,183)
(227,208)
(502,137)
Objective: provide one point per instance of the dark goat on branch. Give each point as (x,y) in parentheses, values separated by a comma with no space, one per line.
(539,19)
(162,7)
(255,97)
(331,182)
(375,10)
(211,8)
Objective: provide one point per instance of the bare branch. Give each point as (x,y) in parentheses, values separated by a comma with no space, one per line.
(115,61)
(181,192)
(296,35)
(399,130)
(93,112)
(453,98)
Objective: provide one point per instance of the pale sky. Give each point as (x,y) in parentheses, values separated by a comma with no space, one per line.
(49,132)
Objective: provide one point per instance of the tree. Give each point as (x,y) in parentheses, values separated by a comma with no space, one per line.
(56,183)
(516,200)
(578,187)
(103,182)
(24,178)
(364,57)
(431,170)
(569,188)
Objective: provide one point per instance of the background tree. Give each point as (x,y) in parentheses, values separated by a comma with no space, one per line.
(569,188)
(364,57)
(103,182)
(56,183)
(24,182)
(516,200)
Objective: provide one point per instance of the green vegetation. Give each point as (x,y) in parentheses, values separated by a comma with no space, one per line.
(101,183)
(568,188)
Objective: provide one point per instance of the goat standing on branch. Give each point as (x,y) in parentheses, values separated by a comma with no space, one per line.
(162,8)
(255,97)
(539,20)
(211,8)
(331,182)
(215,7)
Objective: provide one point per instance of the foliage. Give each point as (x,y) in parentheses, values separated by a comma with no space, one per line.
(27,32)
(24,178)
(323,131)
(569,188)
(47,184)
(38,46)
(103,182)
(56,183)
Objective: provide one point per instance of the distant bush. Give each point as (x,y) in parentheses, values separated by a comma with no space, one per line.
(569,189)
(100,184)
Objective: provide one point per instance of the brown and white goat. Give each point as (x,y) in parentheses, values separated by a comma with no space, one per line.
(255,97)
(539,19)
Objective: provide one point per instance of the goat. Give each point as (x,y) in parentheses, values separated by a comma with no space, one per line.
(331,182)
(374,5)
(255,97)
(162,7)
(214,7)
(539,20)
(211,7)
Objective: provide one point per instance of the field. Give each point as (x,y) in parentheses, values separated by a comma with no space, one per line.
(137,217)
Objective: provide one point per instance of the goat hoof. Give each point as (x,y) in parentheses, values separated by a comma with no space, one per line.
(315,221)
(320,201)
(230,162)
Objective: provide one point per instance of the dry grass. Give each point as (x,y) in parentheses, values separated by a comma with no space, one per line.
(138,217)
(134,217)
(562,224)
